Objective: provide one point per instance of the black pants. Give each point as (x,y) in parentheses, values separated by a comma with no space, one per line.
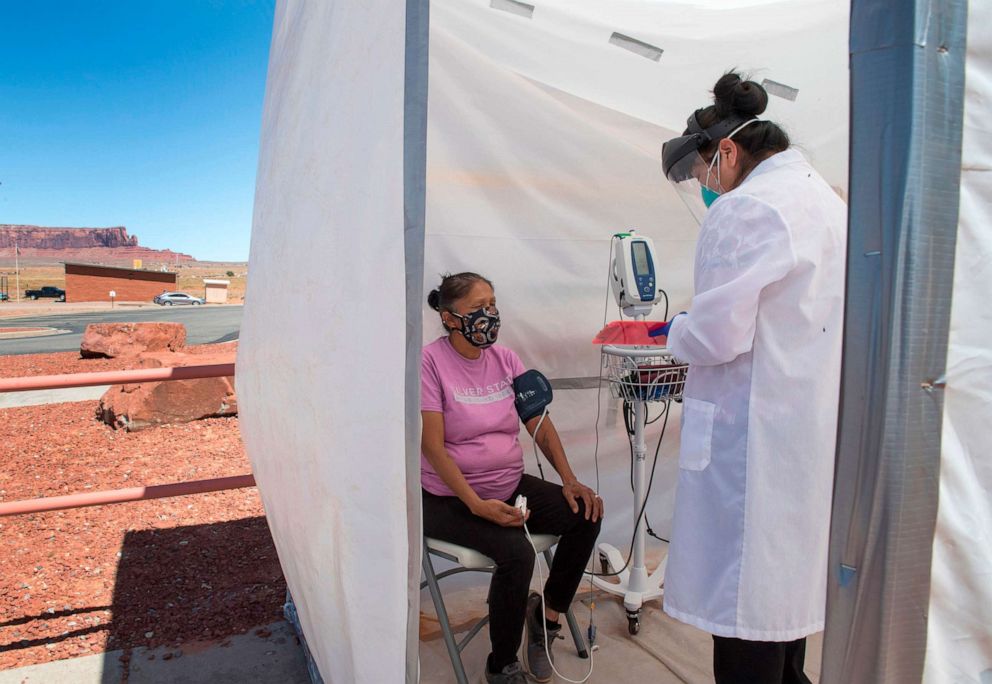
(737,661)
(448,519)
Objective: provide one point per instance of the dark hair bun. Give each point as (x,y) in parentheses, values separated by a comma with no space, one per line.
(735,96)
(434,300)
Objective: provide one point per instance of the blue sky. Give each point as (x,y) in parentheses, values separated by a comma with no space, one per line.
(137,113)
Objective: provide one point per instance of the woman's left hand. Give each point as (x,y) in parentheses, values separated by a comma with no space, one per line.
(575,490)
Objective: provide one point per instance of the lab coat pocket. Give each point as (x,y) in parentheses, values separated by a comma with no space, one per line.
(697,433)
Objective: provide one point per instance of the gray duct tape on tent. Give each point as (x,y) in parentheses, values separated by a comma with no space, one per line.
(907,85)
(293,618)
(513,7)
(780,90)
(414,219)
(638,47)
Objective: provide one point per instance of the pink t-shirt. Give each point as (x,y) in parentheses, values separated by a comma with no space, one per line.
(481,425)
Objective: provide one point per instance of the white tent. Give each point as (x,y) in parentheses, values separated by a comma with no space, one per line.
(530,136)
(959,630)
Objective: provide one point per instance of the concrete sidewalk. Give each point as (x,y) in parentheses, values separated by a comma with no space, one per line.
(15,333)
(42,307)
(247,658)
(53,396)
(664,652)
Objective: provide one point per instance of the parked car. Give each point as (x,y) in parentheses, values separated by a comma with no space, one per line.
(56,293)
(177,299)
(4,297)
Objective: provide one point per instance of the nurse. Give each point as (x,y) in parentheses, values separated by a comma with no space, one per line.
(748,558)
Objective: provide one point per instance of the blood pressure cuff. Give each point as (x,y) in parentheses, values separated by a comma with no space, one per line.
(531,394)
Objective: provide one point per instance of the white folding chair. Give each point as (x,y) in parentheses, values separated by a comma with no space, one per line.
(470,560)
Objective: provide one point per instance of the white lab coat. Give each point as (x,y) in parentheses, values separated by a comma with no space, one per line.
(748,557)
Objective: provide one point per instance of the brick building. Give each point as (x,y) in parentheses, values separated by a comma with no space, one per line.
(92,283)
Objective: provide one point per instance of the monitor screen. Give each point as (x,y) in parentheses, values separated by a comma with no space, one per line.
(640,250)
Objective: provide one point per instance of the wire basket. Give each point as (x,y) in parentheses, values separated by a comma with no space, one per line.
(639,374)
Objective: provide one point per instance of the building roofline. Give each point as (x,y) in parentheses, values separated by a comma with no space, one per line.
(116,268)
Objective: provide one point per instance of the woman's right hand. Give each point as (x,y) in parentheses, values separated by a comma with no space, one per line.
(500,513)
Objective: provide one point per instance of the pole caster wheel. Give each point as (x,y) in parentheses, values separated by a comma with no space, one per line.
(604,565)
(633,623)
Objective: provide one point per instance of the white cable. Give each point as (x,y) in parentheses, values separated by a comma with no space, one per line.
(544,620)
(540,577)
(537,430)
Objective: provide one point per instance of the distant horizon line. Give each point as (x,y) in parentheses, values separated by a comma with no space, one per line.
(44,260)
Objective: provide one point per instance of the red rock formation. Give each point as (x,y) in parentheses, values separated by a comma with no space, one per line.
(89,244)
(112,340)
(140,406)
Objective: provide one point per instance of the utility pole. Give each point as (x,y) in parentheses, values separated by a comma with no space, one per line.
(17,270)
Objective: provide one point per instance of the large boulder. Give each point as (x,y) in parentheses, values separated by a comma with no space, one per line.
(111,340)
(138,406)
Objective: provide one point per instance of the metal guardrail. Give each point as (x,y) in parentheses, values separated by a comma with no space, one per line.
(114,496)
(44,382)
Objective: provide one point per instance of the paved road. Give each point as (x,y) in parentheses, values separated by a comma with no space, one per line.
(204,325)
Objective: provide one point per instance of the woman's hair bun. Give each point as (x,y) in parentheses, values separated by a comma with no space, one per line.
(733,95)
(434,300)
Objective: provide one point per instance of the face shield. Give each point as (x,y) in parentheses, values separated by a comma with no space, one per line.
(687,169)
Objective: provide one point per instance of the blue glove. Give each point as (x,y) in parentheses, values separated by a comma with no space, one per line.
(662,329)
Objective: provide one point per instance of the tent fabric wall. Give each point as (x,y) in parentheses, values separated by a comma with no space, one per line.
(324,350)
(907,84)
(959,632)
(544,138)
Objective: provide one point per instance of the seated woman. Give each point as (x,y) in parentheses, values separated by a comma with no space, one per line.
(472,470)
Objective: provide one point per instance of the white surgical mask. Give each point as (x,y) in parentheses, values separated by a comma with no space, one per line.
(718,189)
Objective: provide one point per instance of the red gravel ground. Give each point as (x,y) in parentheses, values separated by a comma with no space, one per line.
(163,572)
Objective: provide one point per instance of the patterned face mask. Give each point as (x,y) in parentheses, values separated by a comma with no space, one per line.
(481,327)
